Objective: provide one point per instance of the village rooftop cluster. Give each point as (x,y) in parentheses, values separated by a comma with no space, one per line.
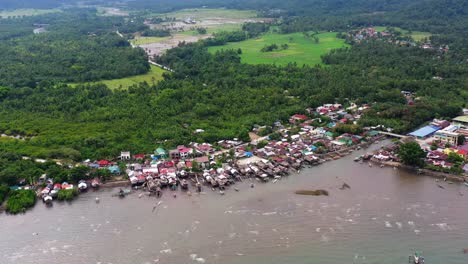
(445,143)
(308,139)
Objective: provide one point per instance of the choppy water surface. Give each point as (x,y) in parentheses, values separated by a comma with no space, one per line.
(385,216)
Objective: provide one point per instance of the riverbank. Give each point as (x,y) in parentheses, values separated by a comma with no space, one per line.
(269,224)
(425,172)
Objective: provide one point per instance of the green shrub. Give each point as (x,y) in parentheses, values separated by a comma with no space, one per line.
(20,200)
(67,195)
(4,190)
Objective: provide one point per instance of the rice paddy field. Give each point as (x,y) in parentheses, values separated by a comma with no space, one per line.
(153,75)
(302,50)
(26,12)
(416,35)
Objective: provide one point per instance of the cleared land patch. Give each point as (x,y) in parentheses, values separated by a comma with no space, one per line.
(301,49)
(153,75)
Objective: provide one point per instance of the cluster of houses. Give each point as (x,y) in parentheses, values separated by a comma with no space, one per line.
(441,139)
(366,33)
(222,163)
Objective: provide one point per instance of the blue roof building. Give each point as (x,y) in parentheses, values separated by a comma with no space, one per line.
(424,132)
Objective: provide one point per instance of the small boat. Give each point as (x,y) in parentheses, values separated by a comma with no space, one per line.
(45,191)
(54,193)
(47,199)
(65,185)
(184,184)
(466,184)
(133,180)
(82,185)
(356,159)
(123,192)
(416,258)
(95,183)
(97,199)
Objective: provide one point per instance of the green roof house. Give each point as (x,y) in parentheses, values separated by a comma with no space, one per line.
(160,152)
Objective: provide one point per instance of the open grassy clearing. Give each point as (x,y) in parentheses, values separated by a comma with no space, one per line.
(301,50)
(26,12)
(204,13)
(154,75)
(416,35)
(147,40)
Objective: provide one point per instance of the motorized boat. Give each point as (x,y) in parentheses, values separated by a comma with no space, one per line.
(67,186)
(134,180)
(123,192)
(82,185)
(95,183)
(416,258)
(54,193)
(47,199)
(45,191)
(184,184)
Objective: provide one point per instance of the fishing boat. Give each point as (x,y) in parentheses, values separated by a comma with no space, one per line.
(184,184)
(54,193)
(95,183)
(67,186)
(416,258)
(134,180)
(123,192)
(82,185)
(47,199)
(141,179)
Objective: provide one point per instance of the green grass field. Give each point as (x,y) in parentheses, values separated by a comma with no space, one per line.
(26,12)
(205,13)
(416,35)
(146,40)
(155,74)
(301,50)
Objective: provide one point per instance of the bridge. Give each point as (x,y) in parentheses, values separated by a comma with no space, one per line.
(392,134)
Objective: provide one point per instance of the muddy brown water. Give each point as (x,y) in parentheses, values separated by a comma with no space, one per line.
(385,216)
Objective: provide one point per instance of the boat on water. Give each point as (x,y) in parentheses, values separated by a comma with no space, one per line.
(123,192)
(95,183)
(82,185)
(47,199)
(466,184)
(54,193)
(416,258)
(184,184)
(356,159)
(67,186)
(45,191)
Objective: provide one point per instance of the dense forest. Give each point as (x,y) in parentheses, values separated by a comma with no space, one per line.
(216,92)
(77,46)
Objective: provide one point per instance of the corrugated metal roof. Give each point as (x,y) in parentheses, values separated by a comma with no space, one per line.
(424,131)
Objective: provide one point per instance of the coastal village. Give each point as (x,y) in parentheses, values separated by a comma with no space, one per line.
(311,138)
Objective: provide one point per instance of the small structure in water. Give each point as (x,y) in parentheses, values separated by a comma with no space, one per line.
(416,258)
(312,192)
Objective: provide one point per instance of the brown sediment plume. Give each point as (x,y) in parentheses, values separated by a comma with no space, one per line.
(312,192)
